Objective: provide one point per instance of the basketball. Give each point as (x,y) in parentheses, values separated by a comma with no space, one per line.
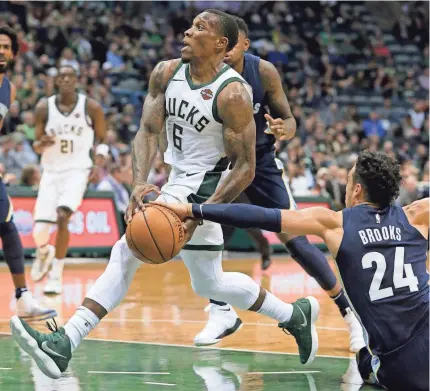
(155,235)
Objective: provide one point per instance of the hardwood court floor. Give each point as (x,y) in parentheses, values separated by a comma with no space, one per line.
(160,310)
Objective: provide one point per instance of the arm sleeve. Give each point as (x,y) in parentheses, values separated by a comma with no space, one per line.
(240,215)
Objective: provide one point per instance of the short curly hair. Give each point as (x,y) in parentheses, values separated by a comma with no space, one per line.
(227,27)
(380,177)
(10,32)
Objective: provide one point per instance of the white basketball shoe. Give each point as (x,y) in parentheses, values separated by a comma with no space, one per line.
(42,263)
(54,286)
(223,321)
(29,309)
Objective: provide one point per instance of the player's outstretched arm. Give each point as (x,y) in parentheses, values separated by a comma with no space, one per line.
(145,144)
(418,215)
(281,121)
(234,106)
(42,140)
(311,221)
(97,115)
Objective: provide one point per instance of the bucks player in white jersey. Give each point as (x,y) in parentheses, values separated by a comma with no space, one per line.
(209,120)
(66,127)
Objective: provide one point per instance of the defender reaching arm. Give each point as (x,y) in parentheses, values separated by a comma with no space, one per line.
(281,121)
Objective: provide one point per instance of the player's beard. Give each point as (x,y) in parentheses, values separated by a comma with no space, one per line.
(3,68)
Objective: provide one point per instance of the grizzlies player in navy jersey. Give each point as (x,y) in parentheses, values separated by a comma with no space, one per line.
(268,188)
(380,250)
(26,306)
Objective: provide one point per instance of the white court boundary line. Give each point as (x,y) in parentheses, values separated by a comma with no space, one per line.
(5,369)
(282,373)
(202,348)
(127,373)
(160,384)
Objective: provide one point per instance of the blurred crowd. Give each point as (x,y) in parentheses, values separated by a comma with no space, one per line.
(353,79)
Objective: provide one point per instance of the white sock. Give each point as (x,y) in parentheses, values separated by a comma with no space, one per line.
(57,268)
(80,325)
(276,309)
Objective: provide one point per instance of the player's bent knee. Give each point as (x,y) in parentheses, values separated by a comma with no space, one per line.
(208,288)
(41,233)
(63,216)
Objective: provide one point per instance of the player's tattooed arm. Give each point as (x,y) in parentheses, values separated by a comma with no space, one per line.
(234,106)
(95,111)
(42,140)
(281,121)
(145,144)
(162,146)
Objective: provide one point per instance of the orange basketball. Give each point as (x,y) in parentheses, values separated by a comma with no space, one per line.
(155,235)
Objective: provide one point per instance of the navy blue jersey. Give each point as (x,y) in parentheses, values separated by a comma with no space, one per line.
(4,97)
(382,263)
(251,73)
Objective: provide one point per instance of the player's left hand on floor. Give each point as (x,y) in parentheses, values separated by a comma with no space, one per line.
(277,128)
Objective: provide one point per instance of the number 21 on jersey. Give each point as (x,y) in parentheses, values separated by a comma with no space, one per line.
(399,281)
(66,146)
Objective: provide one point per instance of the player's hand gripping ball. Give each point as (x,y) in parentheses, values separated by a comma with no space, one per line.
(155,234)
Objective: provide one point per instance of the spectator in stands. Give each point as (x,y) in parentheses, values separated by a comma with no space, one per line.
(68,58)
(373,126)
(408,191)
(23,154)
(423,79)
(28,127)
(331,115)
(31,176)
(334,188)
(126,166)
(102,159)
(114,59)
(113,182)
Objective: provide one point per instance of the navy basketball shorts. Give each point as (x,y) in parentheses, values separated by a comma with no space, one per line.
(404,369)
(5,204)
(268,188)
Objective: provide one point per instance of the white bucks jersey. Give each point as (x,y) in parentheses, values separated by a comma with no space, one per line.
(194,130)
(74,137)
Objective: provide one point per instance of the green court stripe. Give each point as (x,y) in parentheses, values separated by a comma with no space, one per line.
(204,247)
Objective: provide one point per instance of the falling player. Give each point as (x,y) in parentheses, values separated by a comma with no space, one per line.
(380,250)
(269,189)
(209,122)
(66,125)
(26,306)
